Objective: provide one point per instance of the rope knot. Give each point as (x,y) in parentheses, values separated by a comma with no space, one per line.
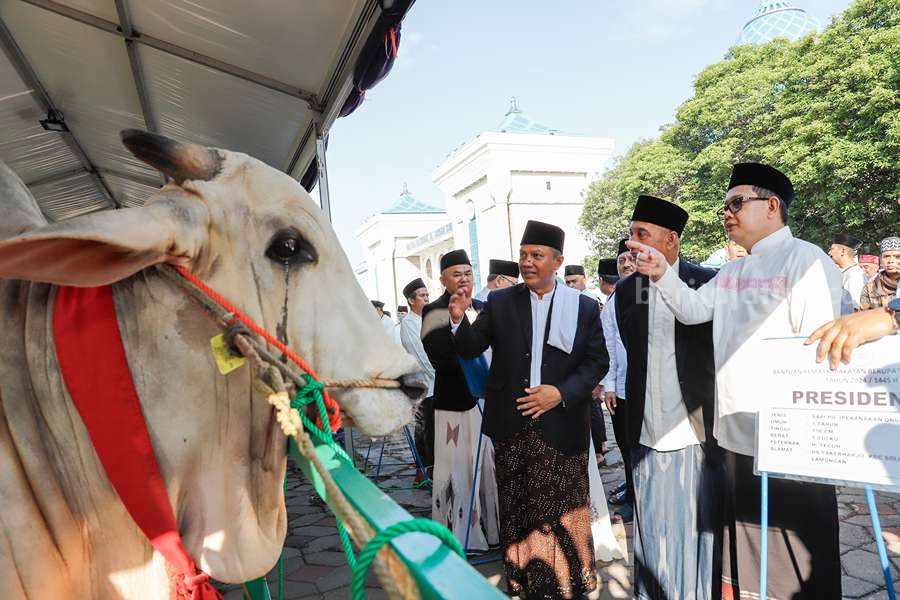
(308,394)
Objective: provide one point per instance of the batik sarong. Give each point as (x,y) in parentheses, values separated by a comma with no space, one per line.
(545,523)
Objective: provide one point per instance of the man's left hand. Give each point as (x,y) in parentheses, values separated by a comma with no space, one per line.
(539,400)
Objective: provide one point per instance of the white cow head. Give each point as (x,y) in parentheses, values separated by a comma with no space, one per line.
(255,236)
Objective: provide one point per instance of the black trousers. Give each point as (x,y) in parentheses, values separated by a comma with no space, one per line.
(620,429)
(598,425)
(423,434)
(804,552)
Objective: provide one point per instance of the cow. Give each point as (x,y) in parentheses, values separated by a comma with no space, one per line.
(254,235)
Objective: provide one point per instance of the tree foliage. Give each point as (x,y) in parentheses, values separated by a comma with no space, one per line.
(824,109)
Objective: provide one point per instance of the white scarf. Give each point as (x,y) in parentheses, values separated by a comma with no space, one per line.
(564,318)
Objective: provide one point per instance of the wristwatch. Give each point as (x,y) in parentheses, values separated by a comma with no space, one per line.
(893,307)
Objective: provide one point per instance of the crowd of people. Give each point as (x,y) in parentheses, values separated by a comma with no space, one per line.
(519,374)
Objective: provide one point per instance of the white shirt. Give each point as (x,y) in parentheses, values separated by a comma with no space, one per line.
(666,426)
(411,339)
(540,310)
(785,287)
(618,359)
(853,279)
(388,325)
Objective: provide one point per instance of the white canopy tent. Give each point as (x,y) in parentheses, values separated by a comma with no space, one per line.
(265,78)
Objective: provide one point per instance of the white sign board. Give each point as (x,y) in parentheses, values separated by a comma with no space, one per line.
(838,426)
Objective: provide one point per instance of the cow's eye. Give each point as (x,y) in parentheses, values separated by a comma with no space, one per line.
(288,246)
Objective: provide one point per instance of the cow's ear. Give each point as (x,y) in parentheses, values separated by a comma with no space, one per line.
(107,246)
(178,160)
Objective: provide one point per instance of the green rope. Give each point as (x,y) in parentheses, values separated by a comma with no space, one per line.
(312,393)
(358,582)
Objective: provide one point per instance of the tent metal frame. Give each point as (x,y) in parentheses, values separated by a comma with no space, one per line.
(325,109)
(20,62)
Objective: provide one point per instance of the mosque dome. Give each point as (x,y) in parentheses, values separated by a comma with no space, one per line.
(776,19)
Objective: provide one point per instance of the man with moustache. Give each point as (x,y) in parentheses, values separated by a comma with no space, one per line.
(457,420)
(783,287)
(670,390)
(548,354)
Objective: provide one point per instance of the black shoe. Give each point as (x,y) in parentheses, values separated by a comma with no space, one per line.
(618,488)
(625,513)
(619,497)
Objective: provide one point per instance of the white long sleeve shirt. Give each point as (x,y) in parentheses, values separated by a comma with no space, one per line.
(666,426)
(784,287)
(618,359)
(540,311)
(411,339)
(853,279)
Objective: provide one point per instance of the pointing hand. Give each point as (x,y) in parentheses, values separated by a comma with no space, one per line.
(650,261)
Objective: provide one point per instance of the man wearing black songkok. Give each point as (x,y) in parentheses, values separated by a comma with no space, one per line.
(501,274)
(457,420)
(548,354)
(785,287)
(670,405)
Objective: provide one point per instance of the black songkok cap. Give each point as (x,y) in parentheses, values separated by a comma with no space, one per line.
(574,270)
(607,271)
(651,209)
(378,304)
(412,286)
(456,257)
(508,268)
(622,248)
(847,240)
(763,176)
(543,234)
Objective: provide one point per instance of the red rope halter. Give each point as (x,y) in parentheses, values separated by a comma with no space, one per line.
(334,415)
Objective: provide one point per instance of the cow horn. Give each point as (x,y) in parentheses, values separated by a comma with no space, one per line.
(178,160)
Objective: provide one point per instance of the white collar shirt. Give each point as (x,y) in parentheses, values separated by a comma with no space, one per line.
(540,312)
(784,287)
(411,340)
(854,280)
(618,359)
(666,426)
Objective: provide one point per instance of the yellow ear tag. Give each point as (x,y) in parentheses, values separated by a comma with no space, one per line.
(226,360)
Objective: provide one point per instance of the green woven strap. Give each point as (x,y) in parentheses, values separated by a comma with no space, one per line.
(312,393)
(358,583)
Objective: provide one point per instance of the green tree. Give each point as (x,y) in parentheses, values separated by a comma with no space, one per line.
(824,109)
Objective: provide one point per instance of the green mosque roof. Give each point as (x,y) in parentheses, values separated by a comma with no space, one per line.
(407,204)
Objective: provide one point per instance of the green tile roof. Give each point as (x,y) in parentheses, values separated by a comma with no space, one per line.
(516,121)
(407,203)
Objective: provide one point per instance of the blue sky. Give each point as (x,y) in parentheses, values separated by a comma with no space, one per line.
(616,68)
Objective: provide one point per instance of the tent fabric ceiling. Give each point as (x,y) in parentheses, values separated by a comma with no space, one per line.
(225,73)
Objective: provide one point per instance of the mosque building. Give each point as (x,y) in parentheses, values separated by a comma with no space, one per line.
(776,19)
(492,185)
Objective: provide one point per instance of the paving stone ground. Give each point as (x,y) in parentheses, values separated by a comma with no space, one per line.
(315,567)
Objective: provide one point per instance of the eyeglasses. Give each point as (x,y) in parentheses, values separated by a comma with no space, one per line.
(737,203)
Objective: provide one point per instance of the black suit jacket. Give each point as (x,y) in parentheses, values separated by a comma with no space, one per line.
(451,392)
(694,359)
(505,325)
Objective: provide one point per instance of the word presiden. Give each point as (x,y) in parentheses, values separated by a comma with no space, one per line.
(848,398)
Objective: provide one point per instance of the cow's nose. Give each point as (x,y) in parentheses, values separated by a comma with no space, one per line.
(414,385)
